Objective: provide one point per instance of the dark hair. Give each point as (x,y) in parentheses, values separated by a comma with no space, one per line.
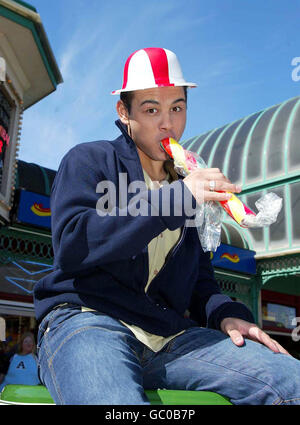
(127,97)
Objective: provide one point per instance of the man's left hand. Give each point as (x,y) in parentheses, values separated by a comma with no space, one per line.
(239,329)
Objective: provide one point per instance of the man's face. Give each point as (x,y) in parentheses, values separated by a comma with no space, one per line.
(155,114)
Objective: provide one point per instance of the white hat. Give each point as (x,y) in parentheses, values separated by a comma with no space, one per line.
(152,67)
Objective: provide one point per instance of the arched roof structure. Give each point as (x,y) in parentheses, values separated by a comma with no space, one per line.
(262,153)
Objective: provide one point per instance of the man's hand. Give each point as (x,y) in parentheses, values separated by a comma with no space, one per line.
(237,329)
(198,184)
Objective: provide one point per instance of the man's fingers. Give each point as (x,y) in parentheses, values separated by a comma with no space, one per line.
(236,337)
(257,334)
(280,348)
(209,174)
(268,342)
(199,184)
(239,329)
(216,196)
(222,185)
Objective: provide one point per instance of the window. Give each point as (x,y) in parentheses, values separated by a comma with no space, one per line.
(278,315)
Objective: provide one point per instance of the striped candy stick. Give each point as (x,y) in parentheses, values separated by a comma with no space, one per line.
(186,160)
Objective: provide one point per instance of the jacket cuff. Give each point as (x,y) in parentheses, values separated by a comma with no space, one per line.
(229,309)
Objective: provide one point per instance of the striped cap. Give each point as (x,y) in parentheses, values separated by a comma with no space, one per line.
(152,67)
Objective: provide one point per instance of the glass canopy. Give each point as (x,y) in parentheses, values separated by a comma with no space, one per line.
(262,153)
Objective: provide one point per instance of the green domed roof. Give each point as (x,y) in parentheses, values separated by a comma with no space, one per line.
(257,149)
(262,153)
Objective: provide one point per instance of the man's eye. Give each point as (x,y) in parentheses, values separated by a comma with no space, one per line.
(176,109)
(152,110)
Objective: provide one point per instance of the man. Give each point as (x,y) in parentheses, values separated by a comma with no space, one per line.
(132,303)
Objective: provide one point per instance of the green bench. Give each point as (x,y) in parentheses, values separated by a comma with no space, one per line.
(28,394)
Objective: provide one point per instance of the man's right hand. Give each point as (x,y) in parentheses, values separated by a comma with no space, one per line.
(198,184)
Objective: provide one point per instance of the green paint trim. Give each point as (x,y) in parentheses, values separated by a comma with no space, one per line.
(232,140)
(266,234)
(275,272)
(231,276)
(9,14)
(46,181)
(254,291)
(201,147)
(266,141)
(266,231)
(265,278)
(25,4)
(226,231)
(288,215)
(276,251)
(288,135)
(272,183)
(216,144)
(28,232)
(190,142)
(247,146)
(293,256)
(240,230)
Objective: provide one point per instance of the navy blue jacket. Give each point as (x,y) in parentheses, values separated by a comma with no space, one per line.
(101,262)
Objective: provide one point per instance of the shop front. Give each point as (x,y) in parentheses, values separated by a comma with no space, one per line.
(28,73)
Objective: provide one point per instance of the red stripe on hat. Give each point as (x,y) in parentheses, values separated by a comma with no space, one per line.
(160,66)
(125,76)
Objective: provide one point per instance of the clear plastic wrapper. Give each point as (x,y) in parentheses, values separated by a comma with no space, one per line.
(208,215)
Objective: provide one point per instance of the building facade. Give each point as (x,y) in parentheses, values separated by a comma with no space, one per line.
(28,73)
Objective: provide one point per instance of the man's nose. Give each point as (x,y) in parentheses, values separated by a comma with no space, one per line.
(166,122)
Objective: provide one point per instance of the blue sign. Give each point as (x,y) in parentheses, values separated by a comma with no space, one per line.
(236,259)
(34,209)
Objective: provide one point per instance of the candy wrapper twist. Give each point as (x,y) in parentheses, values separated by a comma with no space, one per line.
(208,215)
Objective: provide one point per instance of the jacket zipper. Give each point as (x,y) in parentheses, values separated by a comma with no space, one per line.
(141,176)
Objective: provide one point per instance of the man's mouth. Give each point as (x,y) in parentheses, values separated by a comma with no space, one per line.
(165,146)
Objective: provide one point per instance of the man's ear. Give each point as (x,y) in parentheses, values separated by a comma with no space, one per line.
(122,112)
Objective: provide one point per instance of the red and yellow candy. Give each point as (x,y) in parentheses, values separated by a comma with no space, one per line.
(186,161)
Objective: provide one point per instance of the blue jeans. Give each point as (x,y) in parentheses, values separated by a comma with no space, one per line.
(91,358)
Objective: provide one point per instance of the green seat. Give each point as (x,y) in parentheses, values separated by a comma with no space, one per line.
(181,397)
(25,394)
(38,394)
